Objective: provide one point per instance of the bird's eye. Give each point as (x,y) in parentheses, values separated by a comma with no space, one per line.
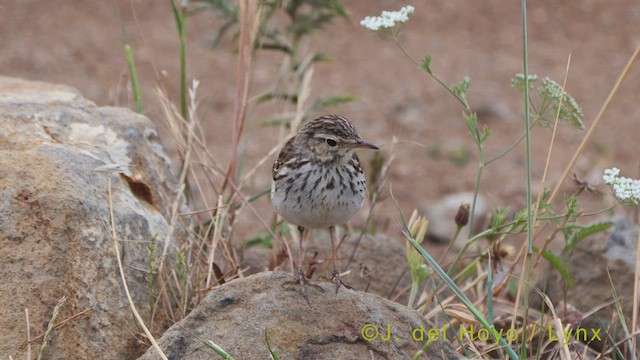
(331,142)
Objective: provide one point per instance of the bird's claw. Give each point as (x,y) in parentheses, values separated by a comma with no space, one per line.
(301,280)
(335,277)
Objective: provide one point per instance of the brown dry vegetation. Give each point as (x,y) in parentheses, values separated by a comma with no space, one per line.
(81,44)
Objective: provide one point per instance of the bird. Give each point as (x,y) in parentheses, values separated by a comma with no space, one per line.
(318,181)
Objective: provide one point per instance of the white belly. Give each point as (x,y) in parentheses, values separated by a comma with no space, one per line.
(310,201)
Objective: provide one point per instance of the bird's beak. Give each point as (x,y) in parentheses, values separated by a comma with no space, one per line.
(361,144)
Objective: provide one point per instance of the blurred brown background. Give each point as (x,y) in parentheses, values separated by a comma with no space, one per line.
(80,43)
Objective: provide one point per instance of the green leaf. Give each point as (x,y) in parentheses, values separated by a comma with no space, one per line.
(321,57)
(461,88)
(426,64)
(293,98)
(133,74)
(585,232)
(273,355)
(338,9)
(332,100)
(471,120)
(557,263)
(485,133)
(264,241)
(572,206)
(277,121)
(215,347)
(498,218)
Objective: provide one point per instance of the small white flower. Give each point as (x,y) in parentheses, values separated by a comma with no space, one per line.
(387,19)
(626,190)
(610,175)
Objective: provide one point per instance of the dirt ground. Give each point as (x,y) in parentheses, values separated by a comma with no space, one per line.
(81,44)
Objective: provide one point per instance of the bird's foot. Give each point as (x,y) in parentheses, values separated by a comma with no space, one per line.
(303,281)
(335,277)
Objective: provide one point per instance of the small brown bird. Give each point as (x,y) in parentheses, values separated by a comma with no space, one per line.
(318,181)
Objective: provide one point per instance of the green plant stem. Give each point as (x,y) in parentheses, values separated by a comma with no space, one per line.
(527,119)
(134,77)
(512,146)
(462,100)
(458,292)
(481,164)
(490,316)
(415,285)
(465,104)
(180,18)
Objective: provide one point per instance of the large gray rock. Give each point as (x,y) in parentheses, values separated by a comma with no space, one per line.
(57,154)
(300,324)
(379,265)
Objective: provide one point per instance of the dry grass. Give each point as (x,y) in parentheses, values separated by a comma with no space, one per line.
(210,257)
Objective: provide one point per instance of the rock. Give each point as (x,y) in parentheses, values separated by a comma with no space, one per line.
(314,324)
(621,245)
(379,265)
(57,153)
(589,263)
(441,215)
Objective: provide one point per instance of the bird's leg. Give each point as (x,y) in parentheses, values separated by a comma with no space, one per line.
(301,279)
(335,274)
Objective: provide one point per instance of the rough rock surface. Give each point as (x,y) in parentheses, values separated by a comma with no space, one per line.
(57,153)
(236,315)
(589,264)
(379,265)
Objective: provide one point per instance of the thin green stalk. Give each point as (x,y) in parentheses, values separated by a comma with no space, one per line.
(527,119)
(516,143)
(434,76)
(134,77)
(218,350)
(180,18)
(456,290)
(481,164)
(272,353)
(489,288)
(463,100)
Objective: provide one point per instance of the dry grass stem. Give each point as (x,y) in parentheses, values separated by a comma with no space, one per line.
(591,130)
(636,288)
(114,237)
(61,323)
(250,13)
(51,325)
(553,137)
(26,315)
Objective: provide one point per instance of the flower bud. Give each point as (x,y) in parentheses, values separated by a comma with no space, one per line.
(462,217)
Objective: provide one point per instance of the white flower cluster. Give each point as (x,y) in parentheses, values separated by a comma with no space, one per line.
(570,110)
(387,19)
(624,189)
(518,81)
